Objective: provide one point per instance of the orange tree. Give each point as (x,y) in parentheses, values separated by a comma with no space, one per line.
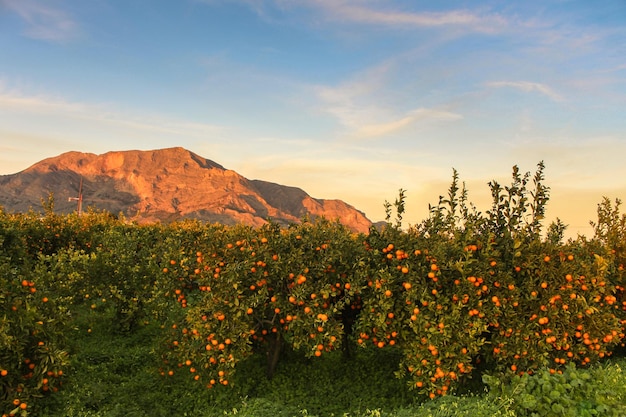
(463,290)
(48,232)
(62,250)
(610,232)
(418,298)
(246,290)
(104,261)
(412,302)
(32,356)
(123,270)
(553,306)
(551,303)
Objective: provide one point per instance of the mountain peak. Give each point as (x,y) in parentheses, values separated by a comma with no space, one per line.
(123,160)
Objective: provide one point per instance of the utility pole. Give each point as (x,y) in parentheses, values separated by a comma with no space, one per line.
(78,199)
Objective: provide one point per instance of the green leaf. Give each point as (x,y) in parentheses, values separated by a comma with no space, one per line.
(528,402)
(555,394)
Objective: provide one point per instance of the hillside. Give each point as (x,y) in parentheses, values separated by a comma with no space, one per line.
(165,185)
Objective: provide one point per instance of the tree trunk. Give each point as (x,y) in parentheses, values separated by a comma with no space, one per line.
(274,349)
(348,317)
(346,348)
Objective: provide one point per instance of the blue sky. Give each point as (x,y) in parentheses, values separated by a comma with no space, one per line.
(348,99)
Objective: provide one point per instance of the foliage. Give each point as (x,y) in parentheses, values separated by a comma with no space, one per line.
(247,290)
(610,233)
(32,341)
(459,296)
(573,392)
(465,292)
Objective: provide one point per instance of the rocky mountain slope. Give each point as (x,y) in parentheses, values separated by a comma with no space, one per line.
(165,185)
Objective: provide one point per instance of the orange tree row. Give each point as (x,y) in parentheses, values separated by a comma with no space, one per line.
(448,307)
(49,265)
(32,341)
(460,292)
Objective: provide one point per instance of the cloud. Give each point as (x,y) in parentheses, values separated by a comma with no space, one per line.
(616,68)
(528,87)
(42,106)
(365,12)
(15,101)
(39,126)
(43,21)
(369,108)
(355,12)
(351,102)
(413,117)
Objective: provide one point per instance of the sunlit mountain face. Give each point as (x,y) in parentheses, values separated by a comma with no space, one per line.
(164,185)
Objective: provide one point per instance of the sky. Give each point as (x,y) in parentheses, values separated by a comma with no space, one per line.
(346,99)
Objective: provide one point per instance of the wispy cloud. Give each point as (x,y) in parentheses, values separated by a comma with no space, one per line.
(528,87)
(617,68)
(413,117)
(356,11)
(369,13)
(365,105)
(44,106)
(351,101)
(44,21)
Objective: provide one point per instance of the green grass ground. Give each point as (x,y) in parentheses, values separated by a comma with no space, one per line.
(117,375)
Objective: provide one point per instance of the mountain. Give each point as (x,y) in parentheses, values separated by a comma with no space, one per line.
(165,185)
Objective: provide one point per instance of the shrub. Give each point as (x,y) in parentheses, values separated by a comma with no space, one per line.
(574,392)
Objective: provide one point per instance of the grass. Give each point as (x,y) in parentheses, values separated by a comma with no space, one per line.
(115,374)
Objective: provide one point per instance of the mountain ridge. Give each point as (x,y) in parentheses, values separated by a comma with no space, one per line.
(165,185)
